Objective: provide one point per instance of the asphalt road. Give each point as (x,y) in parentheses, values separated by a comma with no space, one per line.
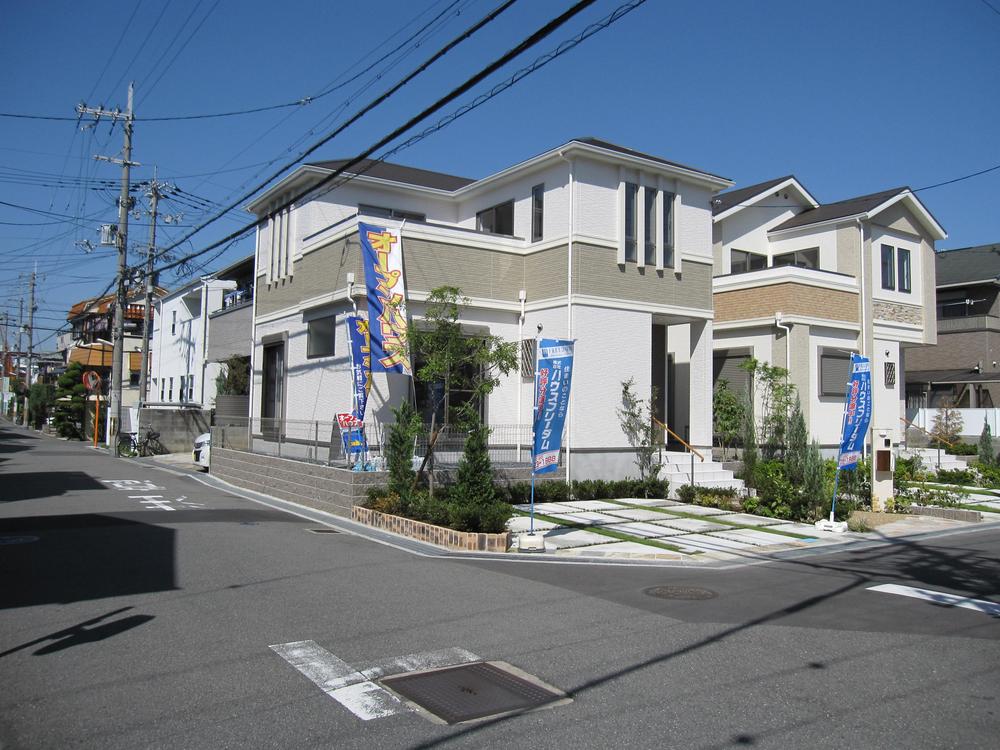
(139,608)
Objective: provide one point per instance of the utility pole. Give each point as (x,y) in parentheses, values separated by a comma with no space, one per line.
(118,332)
(147,314)
(31,344)
(17,367)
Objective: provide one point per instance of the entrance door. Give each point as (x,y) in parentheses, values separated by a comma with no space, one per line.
(272,396)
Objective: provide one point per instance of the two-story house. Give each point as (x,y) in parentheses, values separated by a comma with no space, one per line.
(801,285)
(590,241)
(962,369)
(200,325)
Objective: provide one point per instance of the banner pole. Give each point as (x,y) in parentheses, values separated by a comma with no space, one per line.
(531,522)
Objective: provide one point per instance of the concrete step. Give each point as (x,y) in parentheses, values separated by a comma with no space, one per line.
(929,457)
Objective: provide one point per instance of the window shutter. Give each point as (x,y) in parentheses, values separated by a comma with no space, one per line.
(835,370)
(726,366)
(527,358)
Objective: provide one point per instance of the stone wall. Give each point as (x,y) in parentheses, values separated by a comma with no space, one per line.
(439,535)
(177,427)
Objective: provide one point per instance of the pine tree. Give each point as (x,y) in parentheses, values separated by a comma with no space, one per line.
(399,450)
(813,480)
(474,485)
(798,446)
(986,455)
(69,413)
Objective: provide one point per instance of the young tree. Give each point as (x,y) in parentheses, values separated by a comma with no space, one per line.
(452,361)
(728,415)
(798,446)
(947,424)
(234,378)
(636,419)
(986,455)
(40,399)
(399,450)
(474,486)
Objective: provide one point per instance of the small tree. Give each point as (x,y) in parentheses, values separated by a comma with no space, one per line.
(986,455)
(748,437)
(728,415)
(947,424)
(798,446)
(234,378)
(40,399)
(636,419)
(474,485)
(813,486)
(70,402)
(399,450)
(771,391)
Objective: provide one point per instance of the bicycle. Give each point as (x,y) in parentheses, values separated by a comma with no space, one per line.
(130,446)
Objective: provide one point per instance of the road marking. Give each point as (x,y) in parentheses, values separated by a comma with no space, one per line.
(940,597)
(131,485)
(354,688)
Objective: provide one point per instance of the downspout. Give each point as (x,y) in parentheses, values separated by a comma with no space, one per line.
(788,349)
(864,286)
(204,338)
(569,322)
(522,295)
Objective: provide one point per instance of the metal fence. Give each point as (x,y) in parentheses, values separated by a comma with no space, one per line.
(319,441)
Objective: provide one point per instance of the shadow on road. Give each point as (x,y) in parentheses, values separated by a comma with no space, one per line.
(82,633)
(81,557)
(30,485)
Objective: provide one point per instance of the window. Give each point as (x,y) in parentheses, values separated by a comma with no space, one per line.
(190,387)
(173,322)
(834,372)
(741,261)
(133,377)
(649,243)
(800,258)
(321,337)
(434,399)
(888,267)
(163,385)
(668,229)
(631,220)
(390,213)
(903,269)
(537,211)
(170,390)
(280,245)
(497,220)
(726,365)
(528,358)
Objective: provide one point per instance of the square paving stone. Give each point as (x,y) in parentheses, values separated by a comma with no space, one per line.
(700,510)
(713,542)
(751,520)
(547,507)
(593,505)
(563,538)
(629,550)
(759,538)
(591,518)
(520,524)
(644,530)
(639,514)
(689,524)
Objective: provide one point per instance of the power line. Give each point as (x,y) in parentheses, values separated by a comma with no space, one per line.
(534,39)
(148,90)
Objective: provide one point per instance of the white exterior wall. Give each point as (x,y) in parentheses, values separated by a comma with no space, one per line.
(747,229)
(177,355)
(824,239)
(888,402)
(555,219)
(693,223)
(881,235)
(826,413)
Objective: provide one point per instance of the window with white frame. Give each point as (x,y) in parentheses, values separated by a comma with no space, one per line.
(173,322)
(170,390)
(743,261)
(808,258)
(668,229)
(190,387)
(888,267)
(903,269)
(163,386)
(280,244)
(537,212)
(631,220)
(649,213)
(321,334)
(390,213)
(896,269)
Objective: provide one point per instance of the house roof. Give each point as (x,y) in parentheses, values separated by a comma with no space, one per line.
(727,200)
(968,265)
(598,143)
(383,170)
(100,305)
(841,209)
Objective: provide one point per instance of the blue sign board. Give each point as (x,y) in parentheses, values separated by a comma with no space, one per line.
(857,412)
(552,381)
(382,256)
(361,363)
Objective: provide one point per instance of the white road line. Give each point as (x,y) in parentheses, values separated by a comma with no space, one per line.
(447,657)
(940,597)
(340,680)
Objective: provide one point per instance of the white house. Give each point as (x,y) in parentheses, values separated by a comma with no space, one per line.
(801,285)
(590,241)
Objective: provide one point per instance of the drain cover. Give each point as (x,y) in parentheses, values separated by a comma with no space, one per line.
(472,691)
(689,593)
(322,531)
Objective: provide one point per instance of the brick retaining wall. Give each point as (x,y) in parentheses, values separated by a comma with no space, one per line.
(425,532)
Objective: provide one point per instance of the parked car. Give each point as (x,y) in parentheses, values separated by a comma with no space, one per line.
(203,449)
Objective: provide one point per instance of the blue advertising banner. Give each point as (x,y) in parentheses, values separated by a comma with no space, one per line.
(857,412)
(382,256)
(552,381)
(361,364)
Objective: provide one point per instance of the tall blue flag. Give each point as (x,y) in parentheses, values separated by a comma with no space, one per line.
(553,374)
(857,412)
(361,363)
(382,256)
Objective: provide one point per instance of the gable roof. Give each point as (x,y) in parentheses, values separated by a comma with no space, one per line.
(968,265)
(864,206)
(598,143)
(731,200)
(383,170)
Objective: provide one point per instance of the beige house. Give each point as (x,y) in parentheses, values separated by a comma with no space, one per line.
(801,285)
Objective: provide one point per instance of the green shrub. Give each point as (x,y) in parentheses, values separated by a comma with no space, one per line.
(687,493)
(956,476)
(989,476)
(962,449)
(909,470)
(858,524)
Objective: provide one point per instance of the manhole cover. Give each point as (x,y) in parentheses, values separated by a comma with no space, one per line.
(689,593)
(322,531)
(473,691)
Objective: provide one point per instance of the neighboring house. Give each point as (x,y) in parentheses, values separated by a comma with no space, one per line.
(589,240)
(962,370)
(200,325)
(801,285)
(92,321)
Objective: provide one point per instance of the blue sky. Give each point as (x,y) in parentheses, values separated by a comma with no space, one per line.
(852,97)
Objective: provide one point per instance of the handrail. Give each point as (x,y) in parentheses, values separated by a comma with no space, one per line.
(680,440)
(928,434)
